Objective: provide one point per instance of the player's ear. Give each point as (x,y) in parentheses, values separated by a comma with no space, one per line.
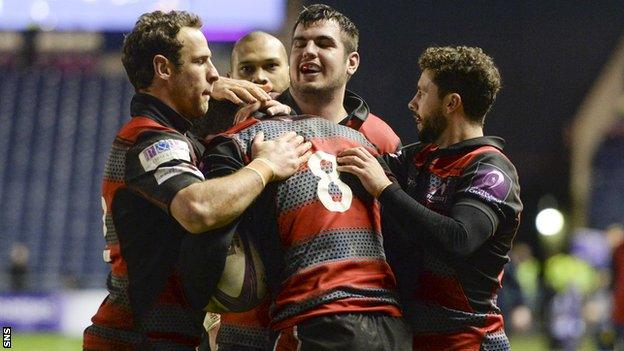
(353,62)
(452,102)
(162,67)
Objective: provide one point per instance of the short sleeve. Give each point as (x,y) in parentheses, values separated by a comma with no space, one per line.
(159,165)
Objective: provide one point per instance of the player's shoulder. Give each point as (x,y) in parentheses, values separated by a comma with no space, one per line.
(374,121)
(141,124)
(491,151)
(239,127)
(380,134)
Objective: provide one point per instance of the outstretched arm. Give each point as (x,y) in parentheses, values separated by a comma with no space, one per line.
(461,233)
(216,202)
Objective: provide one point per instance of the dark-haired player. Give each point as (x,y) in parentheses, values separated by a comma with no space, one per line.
(456,207)
(323,58)
(332,287)
(153,194)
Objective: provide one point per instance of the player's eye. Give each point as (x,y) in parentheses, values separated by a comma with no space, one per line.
(271,66)
(246,70)
(325,43)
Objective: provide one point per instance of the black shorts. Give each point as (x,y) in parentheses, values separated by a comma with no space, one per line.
(346,332)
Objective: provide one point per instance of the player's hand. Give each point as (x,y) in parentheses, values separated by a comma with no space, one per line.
(271,108)
(284,154)
(238,91)
(359,162)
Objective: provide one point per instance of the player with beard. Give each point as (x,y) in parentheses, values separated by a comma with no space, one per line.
(456,208)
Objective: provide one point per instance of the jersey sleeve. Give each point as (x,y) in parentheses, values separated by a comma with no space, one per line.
(223,156)
(159,165)
(491,184)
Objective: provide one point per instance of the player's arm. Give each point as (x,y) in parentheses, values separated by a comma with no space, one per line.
(213,203)
(470,223)
(251,98)
(464,230)
(239,91)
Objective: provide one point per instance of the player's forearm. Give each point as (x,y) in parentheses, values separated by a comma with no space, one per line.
(460,234)
(214,203)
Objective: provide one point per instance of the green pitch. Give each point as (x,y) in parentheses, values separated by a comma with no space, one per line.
(44,342)
(55,342)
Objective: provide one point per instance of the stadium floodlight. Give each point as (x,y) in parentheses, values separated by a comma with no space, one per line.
(549,221)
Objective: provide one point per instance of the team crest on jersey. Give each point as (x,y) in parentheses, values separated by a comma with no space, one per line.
(490,183)
(164,151)
(437,190)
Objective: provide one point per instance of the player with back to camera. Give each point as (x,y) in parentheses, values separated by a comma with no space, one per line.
(456,208)
(323,57)
(260,58)
(154,194)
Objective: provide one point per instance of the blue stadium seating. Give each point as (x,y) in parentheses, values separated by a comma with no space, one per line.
(56,128)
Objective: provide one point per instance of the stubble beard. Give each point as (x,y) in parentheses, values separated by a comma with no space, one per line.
(318,91)
(432,127)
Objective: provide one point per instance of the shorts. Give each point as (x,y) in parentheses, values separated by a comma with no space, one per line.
(346,332)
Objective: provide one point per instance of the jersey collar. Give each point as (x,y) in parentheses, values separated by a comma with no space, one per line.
(149,106)
(356,107)
(463,146)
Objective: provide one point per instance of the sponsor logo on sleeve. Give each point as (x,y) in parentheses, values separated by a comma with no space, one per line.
(164,151)
(490,183)
(164,173)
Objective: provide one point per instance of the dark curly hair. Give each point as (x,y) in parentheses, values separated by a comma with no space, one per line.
(154,33)
(321,12)
(467,71)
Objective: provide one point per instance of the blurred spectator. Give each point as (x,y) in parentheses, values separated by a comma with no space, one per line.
(592,246)
(511,301)
(527,272)
(18,269)
(569,280)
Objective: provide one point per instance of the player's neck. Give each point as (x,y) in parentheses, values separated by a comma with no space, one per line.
(329,106)
(161,94)
(458,132)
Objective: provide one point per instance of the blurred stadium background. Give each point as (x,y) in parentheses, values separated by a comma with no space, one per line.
(63,95)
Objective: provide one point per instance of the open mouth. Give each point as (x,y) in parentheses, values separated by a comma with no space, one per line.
(309,68)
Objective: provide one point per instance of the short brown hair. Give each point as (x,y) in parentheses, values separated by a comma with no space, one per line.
(321,12)
(154,33)
(467,71)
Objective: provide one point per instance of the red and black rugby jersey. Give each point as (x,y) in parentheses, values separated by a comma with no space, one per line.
(331,257)
(240,330)
(361,119)
(150,161)
(448,298)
